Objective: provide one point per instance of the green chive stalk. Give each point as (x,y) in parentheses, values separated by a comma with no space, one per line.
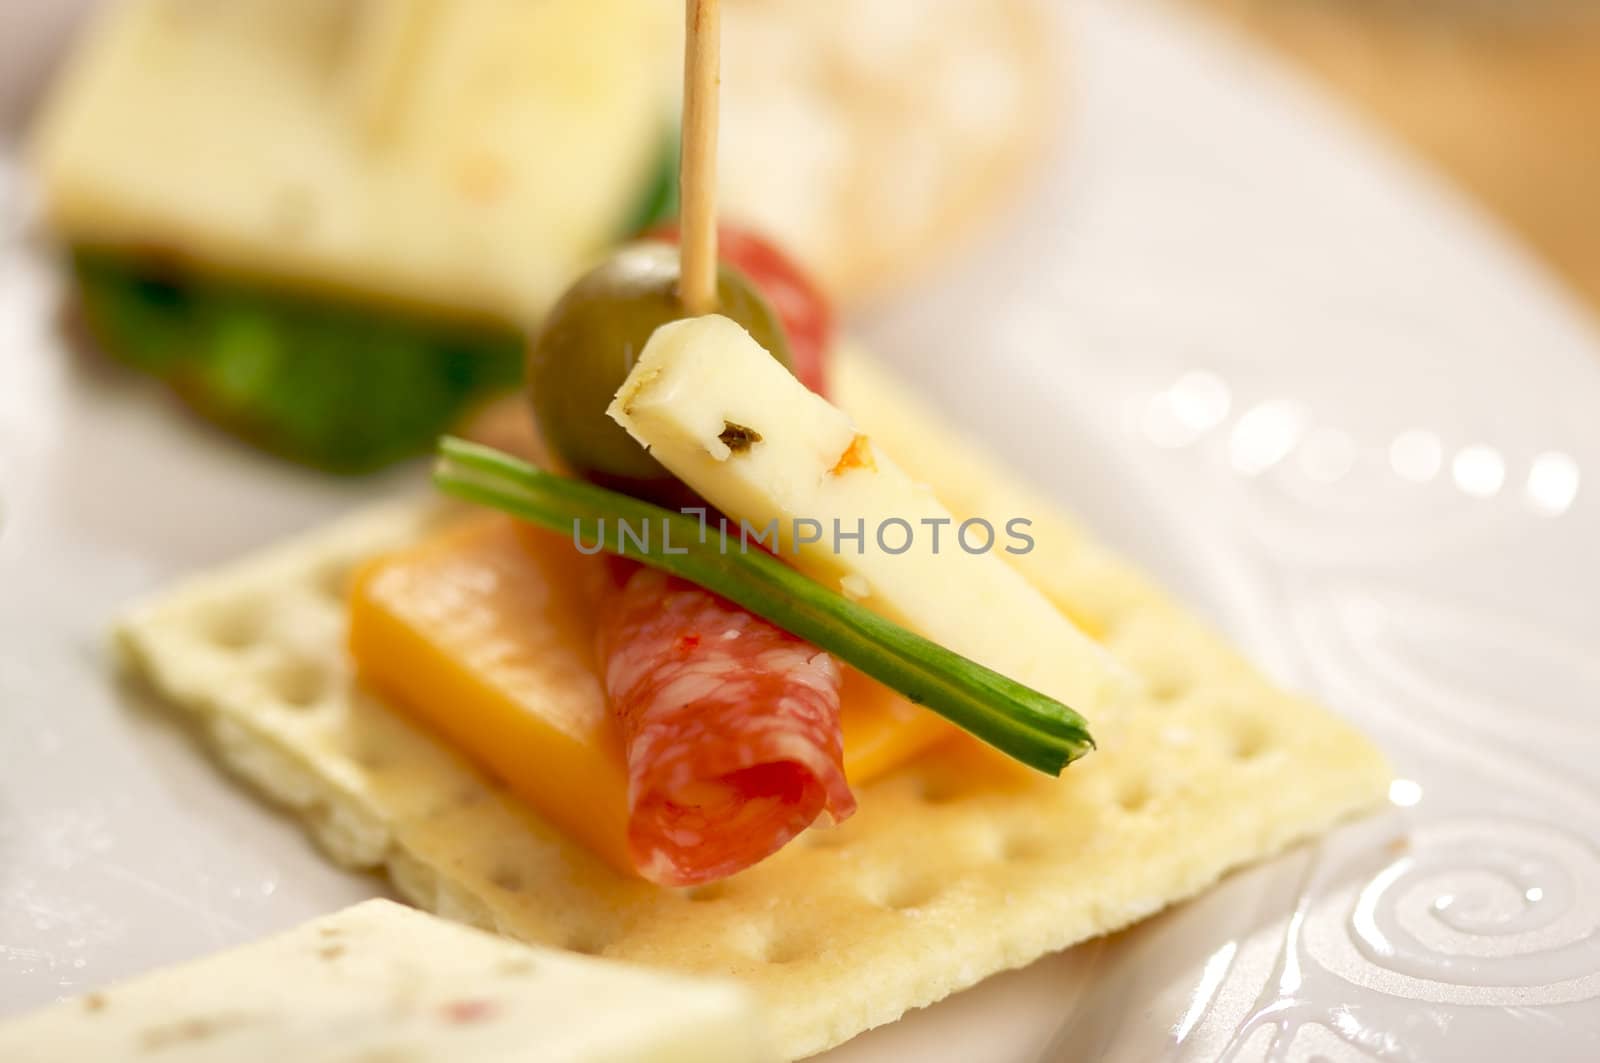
(1017,720)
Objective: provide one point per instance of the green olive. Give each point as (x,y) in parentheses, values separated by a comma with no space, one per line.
(590,342)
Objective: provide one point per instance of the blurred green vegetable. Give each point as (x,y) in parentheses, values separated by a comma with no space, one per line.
(344,388)
(659,202)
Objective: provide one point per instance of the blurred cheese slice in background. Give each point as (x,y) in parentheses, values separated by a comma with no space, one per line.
(382,982)
(797,458)
(468,156)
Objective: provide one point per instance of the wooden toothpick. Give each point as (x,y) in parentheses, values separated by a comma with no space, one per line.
(697,176)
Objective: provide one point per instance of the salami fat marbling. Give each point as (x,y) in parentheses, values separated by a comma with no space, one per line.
(730,726)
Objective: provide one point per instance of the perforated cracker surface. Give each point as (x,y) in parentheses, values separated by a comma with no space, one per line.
(954,868)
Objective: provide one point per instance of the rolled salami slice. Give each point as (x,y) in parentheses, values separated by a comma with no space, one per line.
(729,724)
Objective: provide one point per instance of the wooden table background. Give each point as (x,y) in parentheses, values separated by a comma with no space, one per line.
(1503,95)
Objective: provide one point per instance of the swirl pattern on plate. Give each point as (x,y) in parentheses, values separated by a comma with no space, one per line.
(1478,911)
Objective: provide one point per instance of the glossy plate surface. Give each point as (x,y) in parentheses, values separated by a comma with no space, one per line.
(1322,399)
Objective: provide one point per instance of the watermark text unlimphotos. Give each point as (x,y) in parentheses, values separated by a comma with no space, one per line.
(890,535)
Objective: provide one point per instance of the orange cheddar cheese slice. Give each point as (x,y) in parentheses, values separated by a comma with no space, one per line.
(484,633)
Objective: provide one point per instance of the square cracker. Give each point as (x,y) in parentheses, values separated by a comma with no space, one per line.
(956,867)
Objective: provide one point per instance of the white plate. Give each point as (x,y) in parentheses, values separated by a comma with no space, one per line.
(1323,400)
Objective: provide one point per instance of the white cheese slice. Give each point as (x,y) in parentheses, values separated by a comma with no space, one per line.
(382,982)
(470,156)
(732,423)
